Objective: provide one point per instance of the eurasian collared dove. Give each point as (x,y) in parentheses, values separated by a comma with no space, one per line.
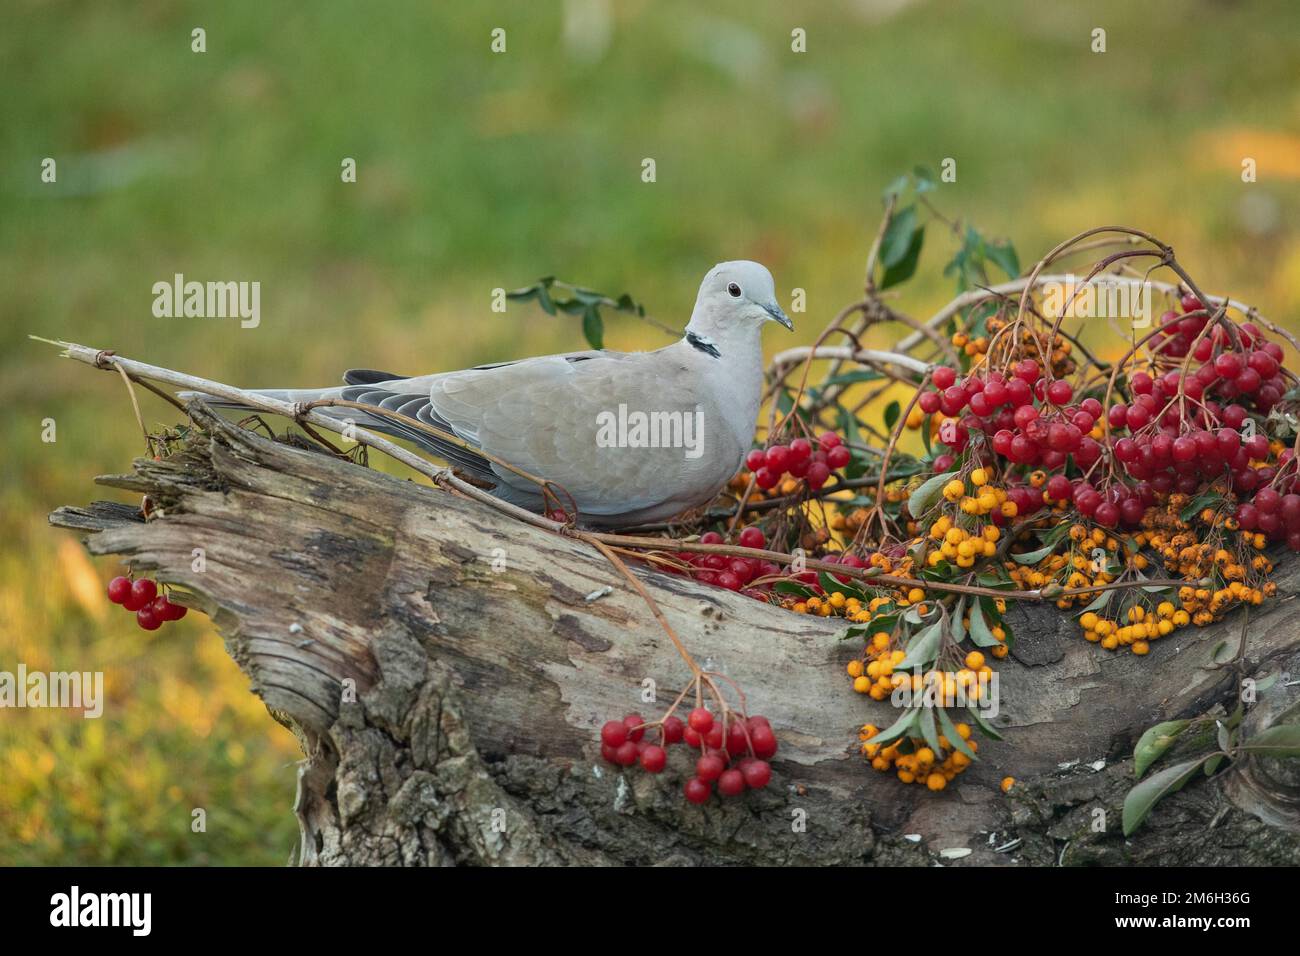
(633,437)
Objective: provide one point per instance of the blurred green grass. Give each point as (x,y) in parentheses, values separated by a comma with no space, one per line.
(477,171)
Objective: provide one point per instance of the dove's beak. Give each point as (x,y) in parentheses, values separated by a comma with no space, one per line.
(777,315)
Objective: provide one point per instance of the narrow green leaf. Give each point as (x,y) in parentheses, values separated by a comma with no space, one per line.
(1003,255)
(892,411)
(1144,796)
(958,627)
(983,724)
(923,647)
(980,633)
(1033,557)
(903,725)
(928,730)
(1154,742)
(1282,740)
(927,493)
(593,328)
(906,267)
(950,731)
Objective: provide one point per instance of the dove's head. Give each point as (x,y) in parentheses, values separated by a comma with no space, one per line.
(736,297)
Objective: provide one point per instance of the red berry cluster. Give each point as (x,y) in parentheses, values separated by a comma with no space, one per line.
(749,742)
(141,596)
(798,460)
(1176,445)
(734,574)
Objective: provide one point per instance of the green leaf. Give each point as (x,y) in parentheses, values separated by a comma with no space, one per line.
(1282,740)
(1033,557)
(958,628)
(1211,499)
(852,378)
(830,585)
(1223,735)
(950,731)
(904,724)
(892,411)
(1003,255)
(1100,601)
(544,299)
(793,587)
(1144,796)
(928,731)
(980,633)
(927,493)
(1154,742)
(906,267)
(593,328)
(898,236)
(983,724)
(923,648)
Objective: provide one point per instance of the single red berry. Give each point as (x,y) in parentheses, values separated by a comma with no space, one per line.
(737,740)
(163,608)
(713,738)
(752,537)
(755,459)
(673,729)
(697,791)
(626,754)
(1059,488)
(818,472)
(1228,364)
(119,589)
(710,537)
(778,458)
(147,619)
(766,478)
(758,773)
(1107,515)
(143,590)
(838,457)
(828,440)
(635,729)
(709,767)
(1027,371)
(613,733)
(700,720)
(1060,392)
(653,758)
(1268,501)
(762,740)
(800,449)
(609,753)
(731,783)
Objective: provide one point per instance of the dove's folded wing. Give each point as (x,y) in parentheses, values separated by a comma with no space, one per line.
(576,423)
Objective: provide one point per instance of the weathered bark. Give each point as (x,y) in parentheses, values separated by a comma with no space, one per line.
(482,674)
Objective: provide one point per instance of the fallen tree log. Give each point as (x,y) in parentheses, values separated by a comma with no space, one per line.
(447,668)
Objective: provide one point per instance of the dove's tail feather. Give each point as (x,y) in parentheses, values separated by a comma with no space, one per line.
(413,406)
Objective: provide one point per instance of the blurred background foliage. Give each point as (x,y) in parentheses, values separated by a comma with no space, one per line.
(478,171)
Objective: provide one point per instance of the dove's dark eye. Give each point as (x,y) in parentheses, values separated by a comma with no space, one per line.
(734,290)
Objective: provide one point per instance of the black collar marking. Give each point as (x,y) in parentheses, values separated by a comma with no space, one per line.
(703,345)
